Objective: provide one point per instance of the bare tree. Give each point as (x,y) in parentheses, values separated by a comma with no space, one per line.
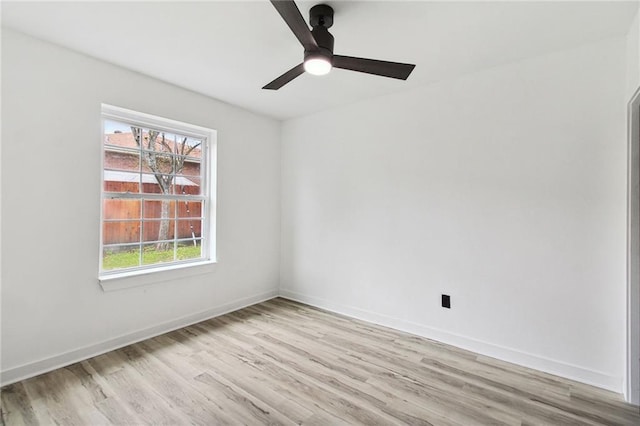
(165,162)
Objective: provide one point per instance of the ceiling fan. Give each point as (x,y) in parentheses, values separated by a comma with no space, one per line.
(318,47)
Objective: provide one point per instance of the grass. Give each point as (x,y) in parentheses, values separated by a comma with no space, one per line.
(128,259)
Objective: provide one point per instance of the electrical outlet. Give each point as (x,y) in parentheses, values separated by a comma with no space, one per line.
(446,301)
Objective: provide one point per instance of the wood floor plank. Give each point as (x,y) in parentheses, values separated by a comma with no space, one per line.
(175,391)
(274,366)
(16,406)
(362,390)
(297,408)
(234,401)
(234,366)
(283,363)
(133,389)
(351,388)
(54,398)
(401,409)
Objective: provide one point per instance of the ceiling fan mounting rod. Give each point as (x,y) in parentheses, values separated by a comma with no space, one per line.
(324,40)
(320,19)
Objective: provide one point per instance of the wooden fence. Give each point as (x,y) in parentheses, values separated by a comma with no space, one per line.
(125,223)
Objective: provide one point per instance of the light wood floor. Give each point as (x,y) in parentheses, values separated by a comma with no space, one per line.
(281,362)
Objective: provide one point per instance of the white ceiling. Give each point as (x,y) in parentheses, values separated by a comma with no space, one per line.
(229,50)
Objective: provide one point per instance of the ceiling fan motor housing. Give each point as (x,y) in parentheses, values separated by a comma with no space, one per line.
(321,18)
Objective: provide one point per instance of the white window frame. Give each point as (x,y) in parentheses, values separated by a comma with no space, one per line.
(147,274)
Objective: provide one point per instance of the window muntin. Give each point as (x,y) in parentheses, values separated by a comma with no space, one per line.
(155,193)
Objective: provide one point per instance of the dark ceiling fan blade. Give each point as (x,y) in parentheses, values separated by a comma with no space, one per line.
(292,16)
(285,78)
(373,66)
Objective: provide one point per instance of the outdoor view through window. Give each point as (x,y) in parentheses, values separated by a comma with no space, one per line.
(154,197)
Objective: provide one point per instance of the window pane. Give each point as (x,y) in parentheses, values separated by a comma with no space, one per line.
(153,140)
(158,230)
(191,228)
(118,136)
(111,127)
(121,187)
(157,209)
(150,230)
(189,209)
(189,250)
(187,185)
(121,181)
(190,148)
(118,257)
(189,168)
(122,160)
(151,183)
(158,163)
(120,209)
(120,232)
(158,253)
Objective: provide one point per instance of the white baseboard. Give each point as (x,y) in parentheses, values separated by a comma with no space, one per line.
(32,369)
(573,372)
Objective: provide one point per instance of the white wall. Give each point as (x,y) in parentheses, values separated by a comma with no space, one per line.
(633,57)
(505,188)
(53,309)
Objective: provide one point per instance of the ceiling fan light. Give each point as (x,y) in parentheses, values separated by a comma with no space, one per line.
(317,65)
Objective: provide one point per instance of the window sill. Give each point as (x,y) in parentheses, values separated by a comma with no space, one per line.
(139,278)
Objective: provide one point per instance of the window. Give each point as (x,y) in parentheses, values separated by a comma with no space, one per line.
(156,202)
